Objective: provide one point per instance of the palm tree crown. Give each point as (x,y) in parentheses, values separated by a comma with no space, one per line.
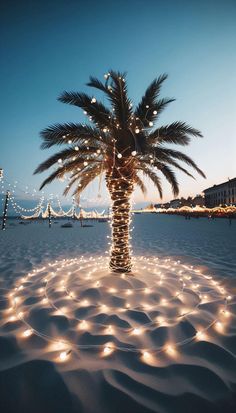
(122,143)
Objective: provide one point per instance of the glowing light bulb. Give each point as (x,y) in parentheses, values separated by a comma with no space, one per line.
(219,326)
(84,303)
(76,148)
(170,350)
(83,325)
(200,335)
(109,330)
(137,331)
(59,160)
(27,333)
(137,130)
(150,123)
(119,155)
(154,112)
(133,153)
(146,355)
(85,163)
(225,313)
(108,349)
(64,355)
(93,100)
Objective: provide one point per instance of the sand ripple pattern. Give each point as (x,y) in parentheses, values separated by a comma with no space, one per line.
(153,335)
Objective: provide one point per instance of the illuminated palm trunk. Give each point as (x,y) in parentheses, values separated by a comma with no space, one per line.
(120,190)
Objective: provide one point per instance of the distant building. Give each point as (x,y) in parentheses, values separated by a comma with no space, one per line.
(222,194)
(198,200)
(178,203)
(175,203)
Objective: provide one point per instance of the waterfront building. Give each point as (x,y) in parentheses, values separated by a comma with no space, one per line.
(222,194)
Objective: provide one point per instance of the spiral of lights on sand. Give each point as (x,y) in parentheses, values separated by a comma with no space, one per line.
(106,313)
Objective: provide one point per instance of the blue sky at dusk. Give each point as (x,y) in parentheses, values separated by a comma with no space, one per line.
(51,46)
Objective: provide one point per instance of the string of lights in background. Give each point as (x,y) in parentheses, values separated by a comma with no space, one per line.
(44,206)
(63,287)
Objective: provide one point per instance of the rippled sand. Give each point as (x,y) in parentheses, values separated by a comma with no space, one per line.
(75,337)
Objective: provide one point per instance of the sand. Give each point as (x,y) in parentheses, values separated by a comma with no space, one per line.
(75,337)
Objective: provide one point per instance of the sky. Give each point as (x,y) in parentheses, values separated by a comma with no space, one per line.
(51,46)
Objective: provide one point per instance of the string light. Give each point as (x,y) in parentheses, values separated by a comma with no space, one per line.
(92,264)
(108,349)
(64,355)
(27,333)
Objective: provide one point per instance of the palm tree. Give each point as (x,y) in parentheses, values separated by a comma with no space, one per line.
(123,144)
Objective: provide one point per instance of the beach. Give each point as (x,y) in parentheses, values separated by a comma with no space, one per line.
(76,338)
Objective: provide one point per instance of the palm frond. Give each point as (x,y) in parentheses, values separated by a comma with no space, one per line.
(180,156)
(96,110)
(97,84)
(138,181)
(154,178)
(144,110)
(177,133)
(164,158)
(76,133)
(65,155)
(159,107)
(170,177)
(88,174)
(59,173)
(121,104)
(166,171)
(87,179)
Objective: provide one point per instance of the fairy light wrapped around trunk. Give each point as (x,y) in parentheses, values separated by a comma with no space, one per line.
(120,190)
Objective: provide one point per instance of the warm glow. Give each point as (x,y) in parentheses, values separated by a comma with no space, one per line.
(83,325)
(171,351)
(137,331)
(200,335)
(27,333)
(108,349)
(219,327)
(64,355)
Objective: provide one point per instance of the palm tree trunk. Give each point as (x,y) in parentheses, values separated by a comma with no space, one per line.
(120,191)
